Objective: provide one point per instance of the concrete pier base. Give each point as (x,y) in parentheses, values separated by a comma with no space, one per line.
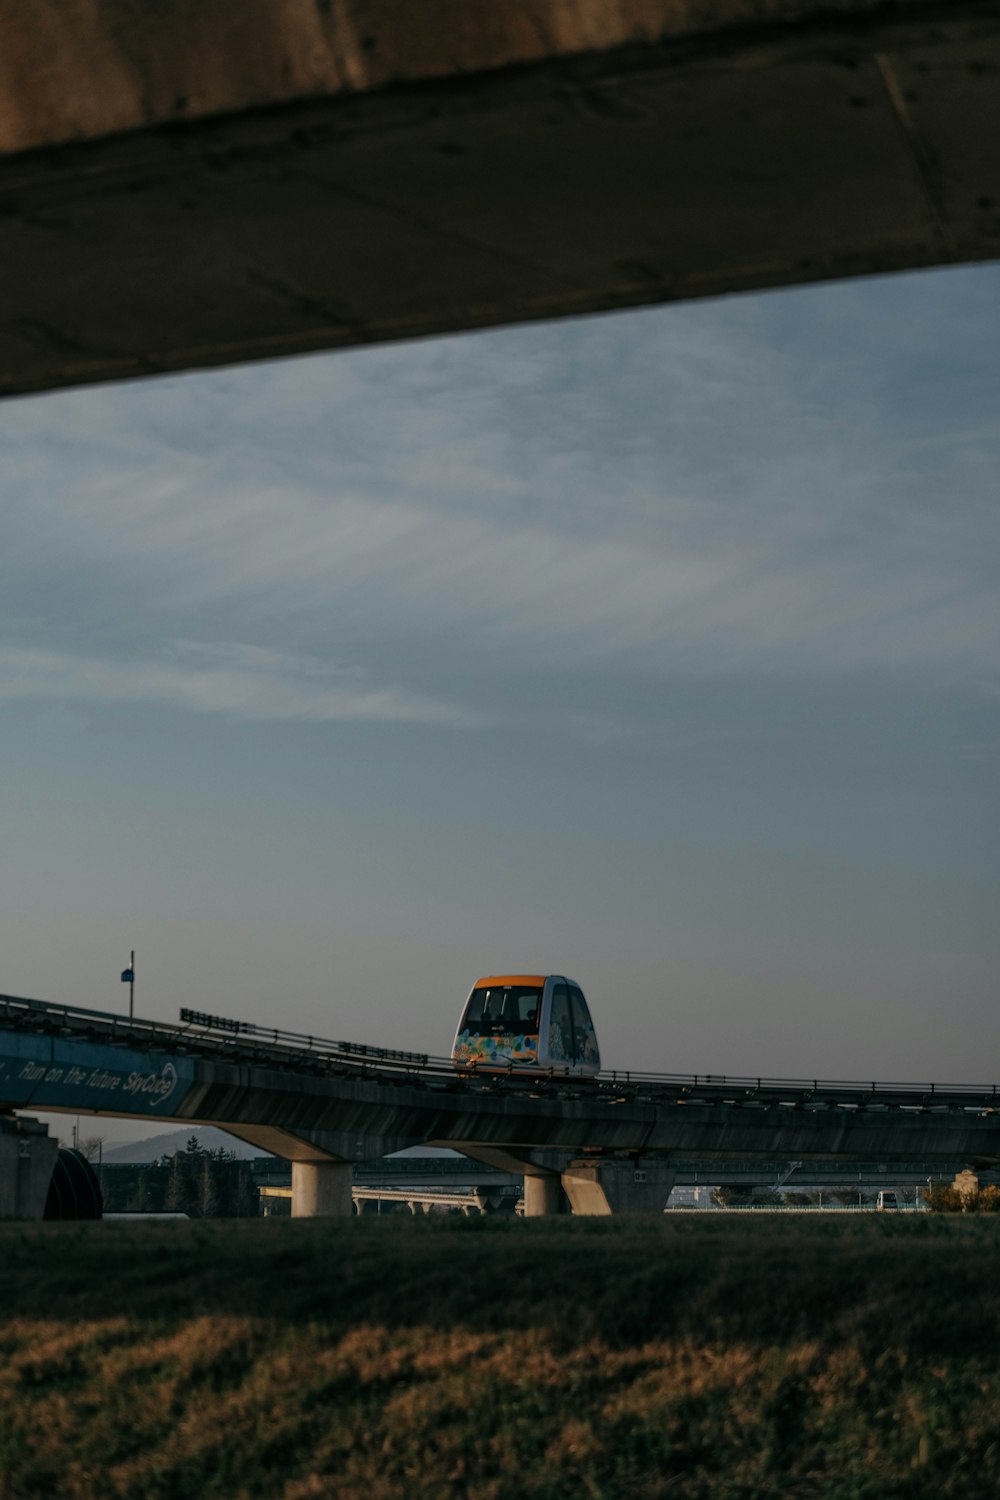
(27,1157)
(322,1189)
(616,1187)
(543,1196)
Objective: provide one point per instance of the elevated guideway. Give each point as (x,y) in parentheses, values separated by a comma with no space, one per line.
(607,1146)
(203,182)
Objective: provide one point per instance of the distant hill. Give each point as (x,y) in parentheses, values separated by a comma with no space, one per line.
(208,1136)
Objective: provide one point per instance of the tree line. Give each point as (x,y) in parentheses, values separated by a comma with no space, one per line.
(201,1182)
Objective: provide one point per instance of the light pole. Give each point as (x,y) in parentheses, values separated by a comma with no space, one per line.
(128,977)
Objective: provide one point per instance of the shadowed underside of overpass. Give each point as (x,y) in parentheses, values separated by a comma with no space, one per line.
(197,183)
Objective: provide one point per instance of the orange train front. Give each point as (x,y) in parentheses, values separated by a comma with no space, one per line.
(527,1023)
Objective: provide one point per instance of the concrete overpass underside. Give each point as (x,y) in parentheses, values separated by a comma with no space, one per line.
(578,1153)
(193,184)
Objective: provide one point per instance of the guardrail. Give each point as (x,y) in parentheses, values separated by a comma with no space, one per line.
(236,1042)
(240,1041)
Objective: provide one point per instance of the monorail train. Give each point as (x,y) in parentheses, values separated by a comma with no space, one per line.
(527,1023)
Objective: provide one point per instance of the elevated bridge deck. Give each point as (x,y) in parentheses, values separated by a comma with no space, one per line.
(328,1104)
(245,1043)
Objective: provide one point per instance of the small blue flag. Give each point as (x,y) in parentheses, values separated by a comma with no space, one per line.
(128,976)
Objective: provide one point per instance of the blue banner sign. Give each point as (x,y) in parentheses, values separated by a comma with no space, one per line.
(62,1073)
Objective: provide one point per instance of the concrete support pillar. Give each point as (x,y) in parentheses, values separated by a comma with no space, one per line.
(322,1189)
(598,1186)
(27,1156)
(543,1196)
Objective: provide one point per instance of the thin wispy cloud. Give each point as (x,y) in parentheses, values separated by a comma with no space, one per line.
(783,601)
(236,681)
(686,494)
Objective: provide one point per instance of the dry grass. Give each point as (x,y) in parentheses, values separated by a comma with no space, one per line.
(704,1358)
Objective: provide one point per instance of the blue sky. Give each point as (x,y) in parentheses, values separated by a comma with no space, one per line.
(658,648)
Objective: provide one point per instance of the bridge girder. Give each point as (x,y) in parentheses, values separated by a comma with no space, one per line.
(353,1119)
(201,183)
(614,1140)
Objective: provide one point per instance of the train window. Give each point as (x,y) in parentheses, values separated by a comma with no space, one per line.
(585,1050)
(524,1007)
(560,1026)
(504,1008)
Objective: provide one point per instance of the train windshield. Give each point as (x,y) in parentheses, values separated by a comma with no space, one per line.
(503,1009)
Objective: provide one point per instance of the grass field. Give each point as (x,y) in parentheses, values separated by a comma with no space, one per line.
(709,1356)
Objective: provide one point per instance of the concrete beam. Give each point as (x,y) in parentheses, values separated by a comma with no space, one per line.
(616,1187)
(358,1119)
(306,1143)
(27,1156)
(198,183)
